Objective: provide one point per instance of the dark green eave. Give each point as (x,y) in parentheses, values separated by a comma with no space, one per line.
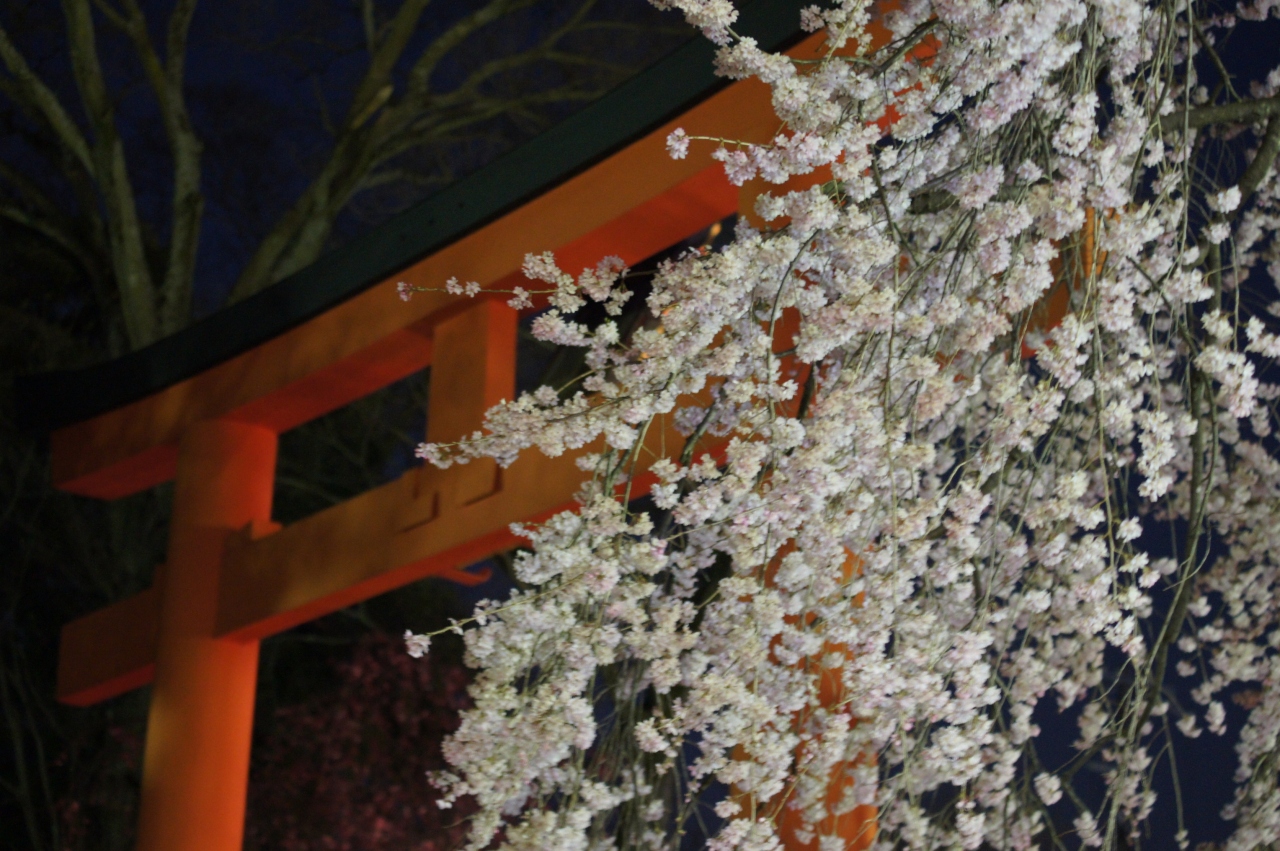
(51,400)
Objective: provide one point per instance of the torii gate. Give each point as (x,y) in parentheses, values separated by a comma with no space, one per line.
(208,404)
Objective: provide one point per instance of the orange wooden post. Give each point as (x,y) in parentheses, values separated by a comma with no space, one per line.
(855,827)
(473,368)
(196,764)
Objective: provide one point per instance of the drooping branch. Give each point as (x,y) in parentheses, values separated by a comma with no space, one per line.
(1223,73)
(1146,699)
(1249,182)
(1263,160)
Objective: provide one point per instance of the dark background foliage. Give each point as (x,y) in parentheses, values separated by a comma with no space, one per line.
(345,767)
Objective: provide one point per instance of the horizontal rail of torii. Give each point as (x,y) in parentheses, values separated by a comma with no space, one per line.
(232,576)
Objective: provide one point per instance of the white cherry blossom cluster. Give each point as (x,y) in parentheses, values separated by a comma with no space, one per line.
(931,408)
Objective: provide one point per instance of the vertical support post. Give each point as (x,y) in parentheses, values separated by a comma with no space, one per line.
(196,762)
(855,828)
(473,368)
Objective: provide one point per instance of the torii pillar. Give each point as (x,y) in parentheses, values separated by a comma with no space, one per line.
(200,724)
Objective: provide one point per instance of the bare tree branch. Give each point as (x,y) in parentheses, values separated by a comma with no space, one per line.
(28,190)
(420,77)
(1249,182)
(379,125)
(1263,160)
(1227,113)
(400,176)
(188,202)
(299,235)
(305,226)
(113,15)
(62,160)
(467,94)
(57,233)
(129,261)
(41,100)
(444,128)
(370,31)
(81,241)
(383,59)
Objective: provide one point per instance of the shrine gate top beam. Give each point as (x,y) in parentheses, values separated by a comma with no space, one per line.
(599,183)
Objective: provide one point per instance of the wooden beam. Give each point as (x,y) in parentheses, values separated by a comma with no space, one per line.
(110,651)
(355,550)
(351,552)
(375,543)
(633,204)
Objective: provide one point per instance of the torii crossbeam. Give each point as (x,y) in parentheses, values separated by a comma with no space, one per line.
(232,576)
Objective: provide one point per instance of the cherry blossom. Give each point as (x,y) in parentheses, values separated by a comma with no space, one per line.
(932,406)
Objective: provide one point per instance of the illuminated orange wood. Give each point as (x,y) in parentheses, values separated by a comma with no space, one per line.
(1072,268)
(199,728)
(633,204)
(474,369)
(338,557)
(376,542)
(856,826)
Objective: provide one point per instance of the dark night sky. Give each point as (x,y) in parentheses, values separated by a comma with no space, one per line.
(275,72)
(263,79)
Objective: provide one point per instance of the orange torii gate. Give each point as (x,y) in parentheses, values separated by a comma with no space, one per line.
(206,413)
